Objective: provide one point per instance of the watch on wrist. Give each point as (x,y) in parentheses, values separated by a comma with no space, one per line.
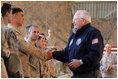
(81,62)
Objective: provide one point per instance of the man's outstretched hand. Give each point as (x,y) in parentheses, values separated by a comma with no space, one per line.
(49,55)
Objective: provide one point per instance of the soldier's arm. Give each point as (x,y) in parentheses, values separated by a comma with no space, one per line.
(5,48)
(26,47)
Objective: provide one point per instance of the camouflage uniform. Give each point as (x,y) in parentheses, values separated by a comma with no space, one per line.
(48,69)
(53,73)
(27,48)
(44,69)
(25,64)
(34,65)
(4,52)
(52,42)
(13,63)
(107,60)
(22,45)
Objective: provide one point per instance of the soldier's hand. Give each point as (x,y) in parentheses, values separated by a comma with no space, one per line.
(54,48)
(110,67)
(11,51)
(6,52)
(49,55)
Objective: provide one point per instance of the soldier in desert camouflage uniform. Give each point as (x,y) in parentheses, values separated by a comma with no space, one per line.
(109,64)
(24,47)
(34,61)
(49,69)
(52,46)
(14,68)
(17,21)
(5,52)
(52,70)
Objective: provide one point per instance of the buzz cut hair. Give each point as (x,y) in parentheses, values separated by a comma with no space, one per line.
(16,10)
(5,8)
(27,28)
(32,26)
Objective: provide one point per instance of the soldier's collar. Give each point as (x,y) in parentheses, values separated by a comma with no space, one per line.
(11,26)
(30,42)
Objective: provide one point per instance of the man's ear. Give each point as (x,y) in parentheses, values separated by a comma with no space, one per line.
(7,14)
(84,21)
(14,15)
(28,34)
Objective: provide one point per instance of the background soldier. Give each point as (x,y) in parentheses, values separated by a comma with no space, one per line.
(109,63)
(34,61)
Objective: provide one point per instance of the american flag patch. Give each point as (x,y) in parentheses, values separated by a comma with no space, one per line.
(94,41)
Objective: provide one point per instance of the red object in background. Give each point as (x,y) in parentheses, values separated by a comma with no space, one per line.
(113,50)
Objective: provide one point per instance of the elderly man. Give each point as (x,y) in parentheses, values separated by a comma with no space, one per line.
(84,49)
(109,64)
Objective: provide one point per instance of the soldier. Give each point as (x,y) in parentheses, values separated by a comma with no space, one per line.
(109,64)
(18,41)
(52,46)
(51,42)
(52,70)
(34,61)
(24,47)
(42,35)
(17,20)
(13,70)
(5,52)
(13,63)
(43,64)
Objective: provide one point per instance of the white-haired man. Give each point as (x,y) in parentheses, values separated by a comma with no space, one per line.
(84,49)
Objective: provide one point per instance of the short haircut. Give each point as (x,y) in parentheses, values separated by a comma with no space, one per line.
(5,8)
(42,34)
(27,28)
(39,37)
(32,26)
(16,10)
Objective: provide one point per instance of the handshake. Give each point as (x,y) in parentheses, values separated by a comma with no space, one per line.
(49,55)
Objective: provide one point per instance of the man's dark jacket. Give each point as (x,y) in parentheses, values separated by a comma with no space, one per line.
(86,44)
